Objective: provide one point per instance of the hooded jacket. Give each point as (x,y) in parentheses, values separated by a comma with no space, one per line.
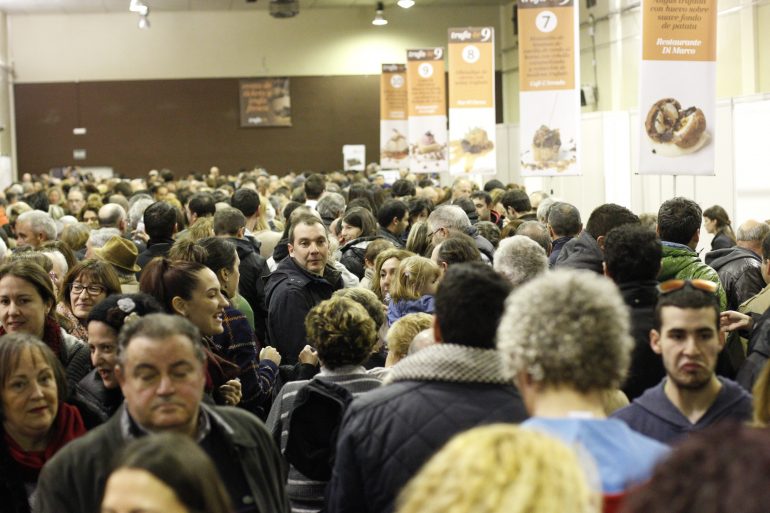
(680,262)
(759,353)
(251,285)
(582,252)
(290,293)
(398,309)
(739,271)
(655,416)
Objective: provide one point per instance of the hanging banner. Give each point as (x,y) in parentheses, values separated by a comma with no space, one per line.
(265,102)
(472,101)
(549,85)
(427,110)
(394,148)
(678,87)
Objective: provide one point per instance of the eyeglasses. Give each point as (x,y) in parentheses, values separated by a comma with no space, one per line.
(669,286)
(91,290)
(434,232)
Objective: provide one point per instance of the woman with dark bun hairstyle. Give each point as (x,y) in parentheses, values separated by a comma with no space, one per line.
(166,472)
(192,290)
(98,395)
(237,343)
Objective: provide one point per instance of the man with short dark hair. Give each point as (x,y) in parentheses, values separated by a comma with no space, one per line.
(691,397)
(247,202)
(585,251)
(300,282)
(201,204)
(457,249)
(632,260)
(160,224)
(446,388)
(161,372)
(230,224)
(564,224)
(393,218)
(483,203)
(679,221)
(314,187)
(517,205)
(739,267)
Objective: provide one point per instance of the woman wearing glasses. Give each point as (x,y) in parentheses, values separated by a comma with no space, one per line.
(28,305)
(87,283)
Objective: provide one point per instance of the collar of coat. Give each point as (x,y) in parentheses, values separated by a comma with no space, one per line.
(453,363)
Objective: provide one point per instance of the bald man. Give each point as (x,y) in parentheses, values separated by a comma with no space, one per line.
(740,267)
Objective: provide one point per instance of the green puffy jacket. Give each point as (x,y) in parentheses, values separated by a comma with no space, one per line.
(684,264)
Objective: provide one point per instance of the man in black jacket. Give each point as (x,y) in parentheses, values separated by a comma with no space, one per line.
(632,256)
(160,224)
(739,267)
(230,224)
(449,387)
(300,282)
(161,371)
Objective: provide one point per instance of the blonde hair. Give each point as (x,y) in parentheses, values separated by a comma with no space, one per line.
(500,468)
(412,278)
(202,228)
(403,331)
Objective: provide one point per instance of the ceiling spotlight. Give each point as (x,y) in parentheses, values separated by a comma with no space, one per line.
(144,22)
(379,16)
(139,7)
(405,4)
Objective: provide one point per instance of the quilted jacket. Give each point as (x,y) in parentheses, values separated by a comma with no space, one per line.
(388,433)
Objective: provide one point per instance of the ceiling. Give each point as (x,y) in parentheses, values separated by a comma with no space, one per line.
(102,6)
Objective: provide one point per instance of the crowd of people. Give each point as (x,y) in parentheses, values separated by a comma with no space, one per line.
(329,342)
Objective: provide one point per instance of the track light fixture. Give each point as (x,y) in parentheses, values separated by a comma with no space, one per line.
(143,11)
(405,4)
(379,15)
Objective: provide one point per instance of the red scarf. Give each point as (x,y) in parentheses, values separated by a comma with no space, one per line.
(51,336)
(67,426)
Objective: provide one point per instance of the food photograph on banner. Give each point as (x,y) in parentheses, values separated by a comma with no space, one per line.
(394,127)
(265,102)
(426,98)
(678,88)
(549,88)
(472,101)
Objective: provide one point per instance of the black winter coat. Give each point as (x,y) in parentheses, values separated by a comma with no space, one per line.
(646,369)
(390,432)
(13,495)
(95,402)
(739,272)
(353,255)
(291,293)
(251,286)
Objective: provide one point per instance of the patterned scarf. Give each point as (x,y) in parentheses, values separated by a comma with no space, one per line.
(451,362)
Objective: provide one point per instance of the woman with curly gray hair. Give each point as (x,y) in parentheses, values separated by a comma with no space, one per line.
(564,339)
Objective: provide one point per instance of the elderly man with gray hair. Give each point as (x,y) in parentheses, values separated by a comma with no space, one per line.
(520,259)
(98,238)
(564,341)
(449,219)
(740,267)
(563,222)
(113,215)
(34,227)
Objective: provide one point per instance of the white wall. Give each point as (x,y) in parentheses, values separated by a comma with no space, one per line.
(88,47)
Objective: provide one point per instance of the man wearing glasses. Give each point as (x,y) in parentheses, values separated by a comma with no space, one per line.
(691,397)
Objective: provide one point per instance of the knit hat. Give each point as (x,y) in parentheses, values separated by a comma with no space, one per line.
(121,253)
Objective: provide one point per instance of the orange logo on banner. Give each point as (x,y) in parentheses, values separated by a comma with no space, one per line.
(546,49)
(679,30)
(393,96)
(425,75)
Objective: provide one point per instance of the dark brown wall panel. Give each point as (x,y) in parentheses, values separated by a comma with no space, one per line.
(190,125)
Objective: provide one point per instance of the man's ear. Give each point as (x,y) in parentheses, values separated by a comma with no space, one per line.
(655,341)
(119,375)
(551,233)
(179,305)
(600,242)
(291,249)
(605,271)
(437,331)
(241,231)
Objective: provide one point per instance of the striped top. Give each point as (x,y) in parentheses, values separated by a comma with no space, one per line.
(306,495)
